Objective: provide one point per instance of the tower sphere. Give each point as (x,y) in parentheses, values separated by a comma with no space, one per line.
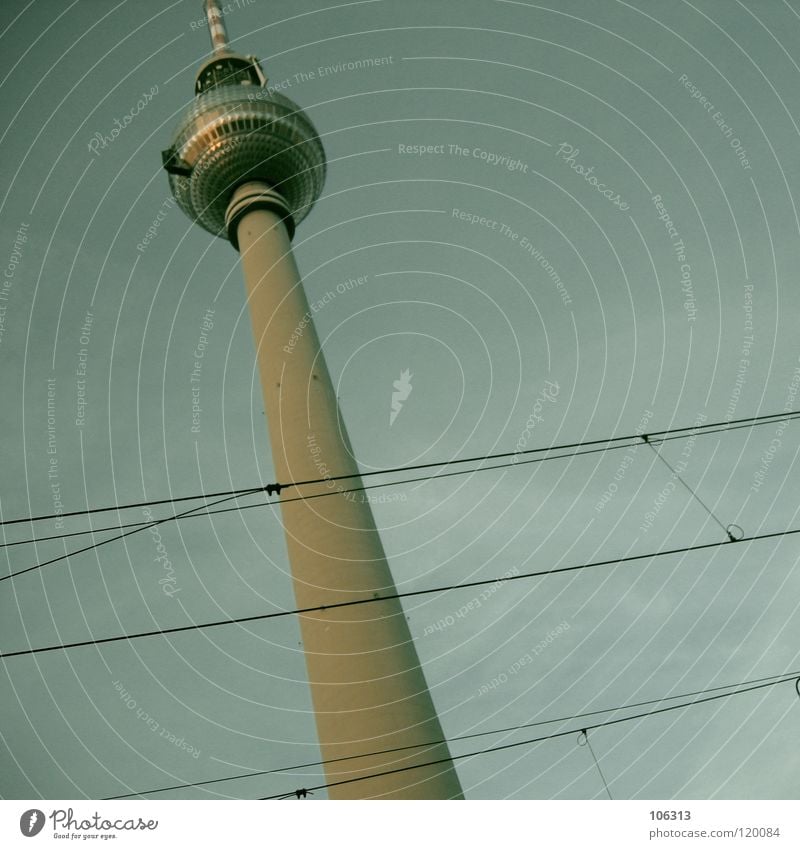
(237,132)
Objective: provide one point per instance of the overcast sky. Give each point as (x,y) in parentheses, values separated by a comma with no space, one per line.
(599,234)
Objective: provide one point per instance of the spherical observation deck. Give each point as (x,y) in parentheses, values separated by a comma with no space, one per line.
(239,133)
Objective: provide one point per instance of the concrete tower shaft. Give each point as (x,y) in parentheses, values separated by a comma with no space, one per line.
(368,690)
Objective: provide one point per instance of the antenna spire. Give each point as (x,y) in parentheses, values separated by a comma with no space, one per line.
(216,26)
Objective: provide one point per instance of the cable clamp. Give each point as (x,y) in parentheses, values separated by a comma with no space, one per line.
(734,532)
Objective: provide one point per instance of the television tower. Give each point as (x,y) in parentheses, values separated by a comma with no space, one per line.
(247,165)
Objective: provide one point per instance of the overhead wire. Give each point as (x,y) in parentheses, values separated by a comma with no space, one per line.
(676,475)
(198,511)
(96,545)
(584,732)
(784,677)
(668,433)
(397,595)
(554,736)
(201,510)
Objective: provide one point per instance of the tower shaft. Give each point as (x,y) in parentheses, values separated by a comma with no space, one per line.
(368,690)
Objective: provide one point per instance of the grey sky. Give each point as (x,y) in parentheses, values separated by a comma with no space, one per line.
(651,95)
